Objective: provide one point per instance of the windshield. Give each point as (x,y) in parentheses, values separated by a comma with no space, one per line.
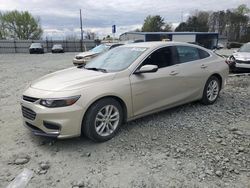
(35,45)
(57,46)
(99,49)
(245,48)
(116,59)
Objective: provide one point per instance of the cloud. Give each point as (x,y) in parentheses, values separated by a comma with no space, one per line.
(99,15)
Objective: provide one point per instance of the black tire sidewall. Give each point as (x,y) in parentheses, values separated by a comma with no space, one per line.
(205,99)
(89,120)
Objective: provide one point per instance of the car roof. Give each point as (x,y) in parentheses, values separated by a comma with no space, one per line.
(158,44)
(111,44)
(36,43)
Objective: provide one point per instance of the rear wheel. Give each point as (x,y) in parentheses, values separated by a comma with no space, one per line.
(102,120)
(211,91)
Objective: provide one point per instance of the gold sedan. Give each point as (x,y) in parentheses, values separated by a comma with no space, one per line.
(120,85)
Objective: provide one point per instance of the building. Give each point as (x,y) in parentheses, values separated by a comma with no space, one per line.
(205,39)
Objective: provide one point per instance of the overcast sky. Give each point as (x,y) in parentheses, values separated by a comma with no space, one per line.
(61,17)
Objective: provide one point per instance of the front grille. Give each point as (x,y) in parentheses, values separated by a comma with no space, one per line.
(30,99)
(245,62)
(79,57)
(28,113)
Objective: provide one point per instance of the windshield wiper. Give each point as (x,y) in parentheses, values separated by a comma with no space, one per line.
(96,69)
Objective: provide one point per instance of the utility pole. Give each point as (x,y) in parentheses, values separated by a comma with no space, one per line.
(81,30)
(181,16)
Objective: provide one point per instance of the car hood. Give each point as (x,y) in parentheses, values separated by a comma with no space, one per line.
(85,54)
(243,56)
(70,79)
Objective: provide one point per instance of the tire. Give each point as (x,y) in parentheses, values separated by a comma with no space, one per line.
(211,91)
(97,123)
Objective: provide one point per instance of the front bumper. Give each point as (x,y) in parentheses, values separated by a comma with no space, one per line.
(63,122)
(57,50)
(79,61)
(242,65)
(36,50)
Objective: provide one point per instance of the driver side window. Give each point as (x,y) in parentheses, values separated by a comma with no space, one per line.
(162,57)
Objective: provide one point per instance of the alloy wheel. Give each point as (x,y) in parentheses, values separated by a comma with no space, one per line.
(107,120)
(213,90)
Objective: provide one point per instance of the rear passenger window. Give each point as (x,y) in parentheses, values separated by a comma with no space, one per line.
(203,54)
(187,53)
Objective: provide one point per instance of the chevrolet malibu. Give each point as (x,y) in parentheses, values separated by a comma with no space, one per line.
(123,84)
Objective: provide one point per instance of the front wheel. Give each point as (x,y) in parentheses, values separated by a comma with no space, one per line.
(102,120)
(211,91)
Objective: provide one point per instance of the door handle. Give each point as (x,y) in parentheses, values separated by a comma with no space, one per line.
(172,73)
(203,66)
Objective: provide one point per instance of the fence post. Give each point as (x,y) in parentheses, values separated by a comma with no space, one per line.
(47,45)
(75,46)
(66,47)
(15,45)
(84,44)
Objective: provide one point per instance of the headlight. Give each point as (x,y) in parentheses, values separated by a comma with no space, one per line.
(54,103)
(87,58)
(230,60)
(78,57)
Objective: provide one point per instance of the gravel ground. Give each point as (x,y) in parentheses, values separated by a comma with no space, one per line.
(188,146)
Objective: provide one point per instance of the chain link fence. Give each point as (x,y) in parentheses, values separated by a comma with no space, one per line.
(22,46)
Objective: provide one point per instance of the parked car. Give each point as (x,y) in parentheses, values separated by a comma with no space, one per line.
(233,45)
(85,57)
(220,46)
(240,59)
(36,48)
(57,48)
(120,85)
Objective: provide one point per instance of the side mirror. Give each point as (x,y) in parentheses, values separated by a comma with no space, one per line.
(147,69)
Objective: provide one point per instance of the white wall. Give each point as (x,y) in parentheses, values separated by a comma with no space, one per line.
(184,38)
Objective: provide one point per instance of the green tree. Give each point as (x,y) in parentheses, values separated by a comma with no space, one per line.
(154,24)
(242,9)
(182,27)
(167,27)
(21,25)
(2,27)
(198,22)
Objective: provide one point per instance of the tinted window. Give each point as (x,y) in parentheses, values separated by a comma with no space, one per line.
(162,58)
(203,54)
(187,53)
